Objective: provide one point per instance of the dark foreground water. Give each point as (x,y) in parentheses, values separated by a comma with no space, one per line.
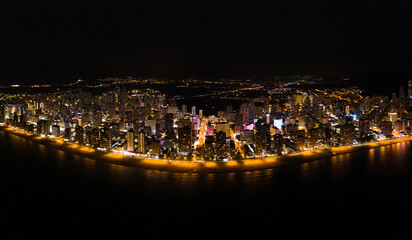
(54,194)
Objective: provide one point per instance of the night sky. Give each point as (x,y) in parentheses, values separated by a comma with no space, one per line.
(59,41)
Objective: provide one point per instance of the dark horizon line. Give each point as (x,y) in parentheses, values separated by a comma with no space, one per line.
(406,75)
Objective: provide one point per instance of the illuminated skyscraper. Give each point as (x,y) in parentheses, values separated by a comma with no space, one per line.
(185,142)
(261,137)
(209,149)
(194,110)
(141,140)
(223,127)
(210,130)
(78,134)
(170,133)
(278,144)
(95,137)
(244,111)
(313,137)
(221,147)
(393,116)
(130,140)
(155,148)
(267,118)
(105,137)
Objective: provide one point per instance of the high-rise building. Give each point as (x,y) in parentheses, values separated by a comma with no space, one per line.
(67,133)
(97,118)
(150,125)
(30,128)
(185,142)
(328,137)
(95,137)
(393,116)
(221,147)
(170,133)
(105,137)
(313,138)
(22,121)
(244,111)
(184,109)
(157,129)
(55,130)
(155,148)
(223,127)
(261,137)
(252,110)
(291,130)
(268,141)
(299,143)
(234,153)
(347,134)
(66,124)
(210,130)
(194,110)
(78,134)
(141,141)
(400,126)
(239,119)
(15,120)
(2,113)
(387,128)
(278,144)
(130,140)
(267,118)
(80,122)
(185,122)
(364,126)
(209,149)
(43,127)
(88,137)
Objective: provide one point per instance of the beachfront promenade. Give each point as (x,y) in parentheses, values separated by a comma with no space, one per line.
(201,166)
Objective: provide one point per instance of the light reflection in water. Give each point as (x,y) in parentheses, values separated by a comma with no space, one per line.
(371,164)
(369,182)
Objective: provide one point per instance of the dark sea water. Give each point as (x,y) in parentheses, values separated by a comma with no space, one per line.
(55,194)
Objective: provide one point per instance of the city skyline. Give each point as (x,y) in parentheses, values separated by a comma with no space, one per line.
(255,120)
(211,119)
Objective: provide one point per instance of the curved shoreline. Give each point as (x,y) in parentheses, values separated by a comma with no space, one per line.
(203,167)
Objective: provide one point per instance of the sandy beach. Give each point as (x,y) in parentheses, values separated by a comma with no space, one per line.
(200,166)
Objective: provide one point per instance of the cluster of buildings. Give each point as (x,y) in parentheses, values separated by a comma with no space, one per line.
(150,124)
